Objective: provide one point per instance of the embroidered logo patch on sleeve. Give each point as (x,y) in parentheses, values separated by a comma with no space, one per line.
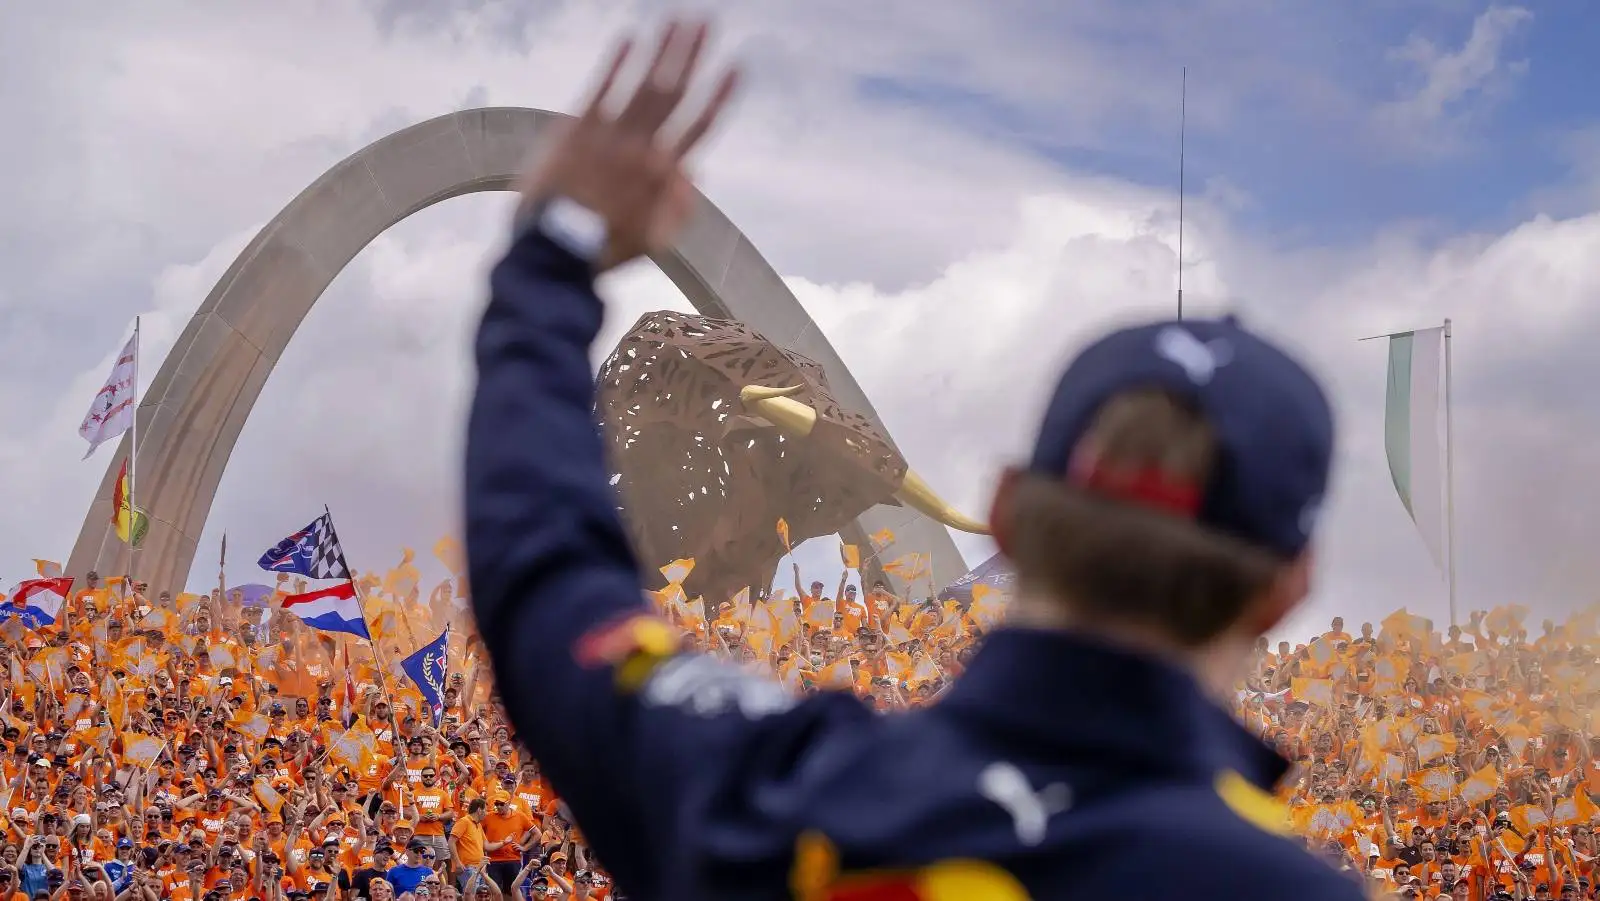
(816,877)
(1251,804)
(633,646)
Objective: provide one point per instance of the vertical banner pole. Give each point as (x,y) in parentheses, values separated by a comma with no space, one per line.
(133,466)
(377,652)
(1449,471)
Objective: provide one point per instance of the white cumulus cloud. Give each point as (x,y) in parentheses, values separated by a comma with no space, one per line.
(954,271)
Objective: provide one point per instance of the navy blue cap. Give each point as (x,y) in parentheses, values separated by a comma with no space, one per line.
(1272,421)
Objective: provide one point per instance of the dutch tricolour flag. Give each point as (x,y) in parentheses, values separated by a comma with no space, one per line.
(37,602)
(333,609)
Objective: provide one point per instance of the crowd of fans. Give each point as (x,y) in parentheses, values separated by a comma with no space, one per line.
(210,748)
(1458,765)
(204,748)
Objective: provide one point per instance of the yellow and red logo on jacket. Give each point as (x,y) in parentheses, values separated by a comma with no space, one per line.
(816,877)
(634,645)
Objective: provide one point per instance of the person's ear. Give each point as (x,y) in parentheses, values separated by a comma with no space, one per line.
(1000,509)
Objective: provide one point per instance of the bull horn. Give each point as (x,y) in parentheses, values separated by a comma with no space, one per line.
(798,419)
(773,404)
(919,496)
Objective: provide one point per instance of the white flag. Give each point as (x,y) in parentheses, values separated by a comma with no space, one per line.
(113,409)
(1411,432)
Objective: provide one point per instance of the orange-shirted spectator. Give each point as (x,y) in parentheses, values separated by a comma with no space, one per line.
(434,809)
(10,885)
(532,793)
(1402,742)
(187,884)
(504,830)
(468,842)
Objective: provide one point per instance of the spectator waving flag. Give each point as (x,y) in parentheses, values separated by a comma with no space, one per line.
(37,602)
(429,667)
(335,609)
(313,552)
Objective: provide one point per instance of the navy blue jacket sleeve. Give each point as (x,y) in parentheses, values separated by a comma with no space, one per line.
(549,563)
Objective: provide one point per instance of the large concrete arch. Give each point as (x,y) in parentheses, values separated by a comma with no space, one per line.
(193,413)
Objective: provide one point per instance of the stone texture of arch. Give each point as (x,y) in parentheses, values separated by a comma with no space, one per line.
(191,417)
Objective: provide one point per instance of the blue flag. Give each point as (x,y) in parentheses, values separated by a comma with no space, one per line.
(994,572)
(313,552)
(429,668)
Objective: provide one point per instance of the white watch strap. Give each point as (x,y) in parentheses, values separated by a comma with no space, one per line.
(576,228)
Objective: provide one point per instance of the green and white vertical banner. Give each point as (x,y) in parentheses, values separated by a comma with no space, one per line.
(1412,419)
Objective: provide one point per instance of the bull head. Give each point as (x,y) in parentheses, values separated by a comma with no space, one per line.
(714,433)
(797,420)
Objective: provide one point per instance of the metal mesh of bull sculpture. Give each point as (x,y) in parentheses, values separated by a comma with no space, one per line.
(714,433)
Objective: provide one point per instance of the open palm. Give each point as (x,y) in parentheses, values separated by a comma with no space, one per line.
(619,164)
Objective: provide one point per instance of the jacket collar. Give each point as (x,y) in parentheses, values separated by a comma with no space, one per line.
(1096,702)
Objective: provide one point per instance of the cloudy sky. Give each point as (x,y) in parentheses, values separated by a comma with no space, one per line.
(959,193)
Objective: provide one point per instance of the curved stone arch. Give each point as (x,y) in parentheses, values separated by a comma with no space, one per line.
(191,417)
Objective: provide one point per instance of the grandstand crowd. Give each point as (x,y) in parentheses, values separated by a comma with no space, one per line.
(1457,765)
(212,747)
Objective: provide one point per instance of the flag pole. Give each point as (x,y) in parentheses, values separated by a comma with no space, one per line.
(1386,335)
(1449,472)
(222,575)
(377,651)
(133,464)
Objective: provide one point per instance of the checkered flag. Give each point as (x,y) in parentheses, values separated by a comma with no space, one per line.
(327,557)
(313,552)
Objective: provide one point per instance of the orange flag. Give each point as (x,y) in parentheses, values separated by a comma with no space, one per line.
(268,796)
(1481,786)
(1435,785)
(678,570)
(141,750)
(111,697)
(1576,809)
(1527,817)
(1402,624)
(1312,691)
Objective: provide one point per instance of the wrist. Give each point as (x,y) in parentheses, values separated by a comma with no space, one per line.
(564,222)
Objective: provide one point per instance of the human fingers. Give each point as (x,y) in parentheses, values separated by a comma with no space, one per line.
(646,93)
(677,73)
(666,81)
(596,105)
(708,114)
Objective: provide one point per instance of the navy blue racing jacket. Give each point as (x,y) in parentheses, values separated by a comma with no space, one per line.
(1055,767)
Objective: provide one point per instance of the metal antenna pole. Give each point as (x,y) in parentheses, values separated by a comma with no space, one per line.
(1183,122)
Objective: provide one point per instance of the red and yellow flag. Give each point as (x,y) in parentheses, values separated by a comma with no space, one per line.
(131,523)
